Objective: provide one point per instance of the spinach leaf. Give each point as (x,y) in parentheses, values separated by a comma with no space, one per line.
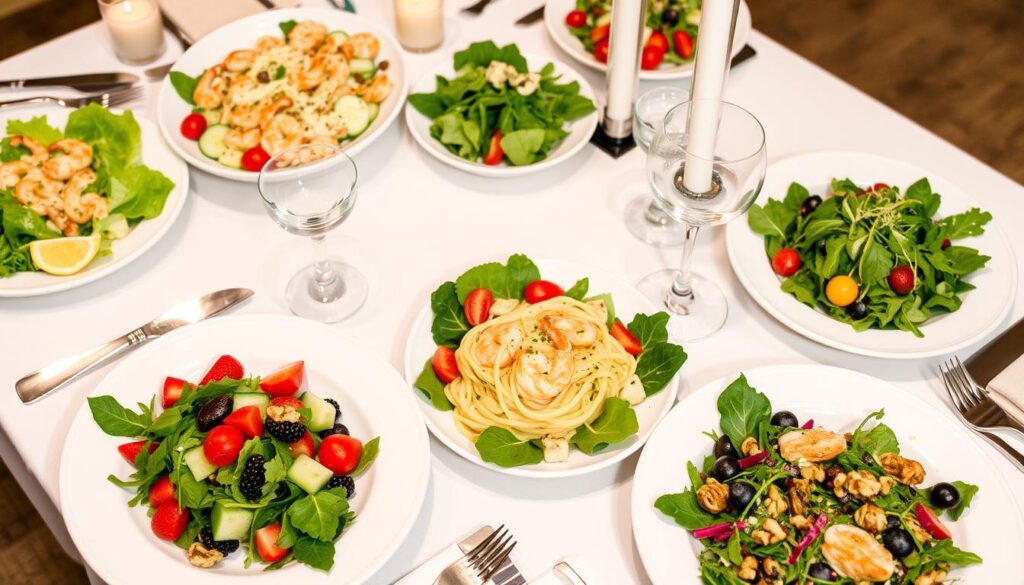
(431,386)
(742,409)
(523,147)
(649,330)
(658,364)
(499,446)
(482,53)
(314,553)
(116,420)
(505,281)
(286,26)
(449,323)
(578,290)
(370,452)
(318,515)
(617,423)
(684,509)
(185,85)
(429,104)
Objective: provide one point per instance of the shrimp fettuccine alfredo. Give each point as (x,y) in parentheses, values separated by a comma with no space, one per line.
(530,369)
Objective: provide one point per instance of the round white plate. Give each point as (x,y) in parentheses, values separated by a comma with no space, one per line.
(837,399)
(375,402)
(628,302)
(242,34)
(155,155)
(982,311)
(580,130)
(554,21)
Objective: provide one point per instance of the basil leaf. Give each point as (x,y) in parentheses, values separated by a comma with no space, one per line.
(684,509)
(286,26)
(578,290)
(185,85)
(795,196)
(615,424)
(506,281)
(318,515)
(314,553)
(499,446)
(649,330)
(370,451)
(449,323)
(433,388)
(658,364)
(116,420)
(742,409)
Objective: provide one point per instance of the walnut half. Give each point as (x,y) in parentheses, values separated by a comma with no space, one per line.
(747,570)
(904,470)
(931,577)
(871,518)
(770,532)
(713,496)
(202,557)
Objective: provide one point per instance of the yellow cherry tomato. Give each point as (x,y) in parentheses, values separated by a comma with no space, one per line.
(841,290)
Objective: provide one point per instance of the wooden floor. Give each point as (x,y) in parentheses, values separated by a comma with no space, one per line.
(957,68)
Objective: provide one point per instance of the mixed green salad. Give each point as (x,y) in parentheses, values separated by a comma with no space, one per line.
(669,35)
(781,502)
(495,109)
(874,257)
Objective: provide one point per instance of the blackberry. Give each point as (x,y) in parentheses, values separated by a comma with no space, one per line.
(226,547)
(253,478)
(289,432)
(337,408)
(338,429)
(344,481)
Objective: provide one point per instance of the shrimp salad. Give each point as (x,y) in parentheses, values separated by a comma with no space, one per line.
(307,86)
(85,180)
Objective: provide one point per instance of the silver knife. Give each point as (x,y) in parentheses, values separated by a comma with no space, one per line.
(508,574)
(38,384)
(86,82)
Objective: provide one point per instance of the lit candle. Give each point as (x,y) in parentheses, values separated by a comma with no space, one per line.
(135,28)
(711,67)
(420,24)
(627,27)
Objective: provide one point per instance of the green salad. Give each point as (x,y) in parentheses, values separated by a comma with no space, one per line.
(874,257)
(495,109)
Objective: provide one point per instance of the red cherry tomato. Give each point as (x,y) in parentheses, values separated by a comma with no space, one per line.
(168,521)
(576,19)
(478,306)
(254,159)
(877,187)
(444,364)
(285,381)
(600,33)
(494,152)
(222,445)
(659,41)
(542,290)
(340,453)
(193,126)
(266,543)
(601,51)
(683,44)
(786,262)
(651,58)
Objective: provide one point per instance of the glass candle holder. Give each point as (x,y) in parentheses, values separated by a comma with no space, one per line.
(420,24)
(135,28)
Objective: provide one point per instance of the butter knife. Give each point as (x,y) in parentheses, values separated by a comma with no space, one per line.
(38,384)
(87,82)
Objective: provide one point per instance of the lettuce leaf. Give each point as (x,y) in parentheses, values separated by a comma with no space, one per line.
(20,224)
(138,192)
(116,140)
(36,128)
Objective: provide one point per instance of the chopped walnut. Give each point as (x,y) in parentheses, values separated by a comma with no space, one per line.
(871,518)
(916,529)
(776,502)
(903,470)
(799,494)
(839,485)
(772,572)
(769,533)
(713,496)
(279,413)
(862,484)
(813,472)
(931,577)
(202,557)
(750,447)
(800,522)
(747,569)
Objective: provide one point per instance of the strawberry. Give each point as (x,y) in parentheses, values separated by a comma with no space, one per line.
(494,151)
(303,446)
(286,381)
(130,451)
(444,364)
(173,388)
(168,521)
(248,420)
(901,280)
(286,401)
(625,337)
(161,491)
(266,543)
(225,367)
(478,306)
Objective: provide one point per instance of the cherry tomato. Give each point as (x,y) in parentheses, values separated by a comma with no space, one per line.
(659,41)
(254,159)
(340,453)
(222,445)
(494,152)
(576,19)
(651,58)
(542,290)
(878,187)
(600,33)
(193,126)
(601,51)
(841,290)
(683,44)
(786,262)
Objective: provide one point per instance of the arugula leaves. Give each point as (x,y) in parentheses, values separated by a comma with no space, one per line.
(743,409)
(616,423)
(499,446)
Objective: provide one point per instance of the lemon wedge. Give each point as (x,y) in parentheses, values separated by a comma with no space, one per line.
(64,256)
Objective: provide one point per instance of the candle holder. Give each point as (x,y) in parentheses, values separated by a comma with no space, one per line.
(136,29)
(420,24)
(614,134)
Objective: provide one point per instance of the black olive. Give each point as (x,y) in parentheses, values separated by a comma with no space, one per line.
(723,447)
(263,77)
(784,418)
(898,541)
(822,572)
(214,412)
(893,521)
(740,494)
(809,205)
(670,16)
(857,310)
(944,495)
(725,468)
(338,429)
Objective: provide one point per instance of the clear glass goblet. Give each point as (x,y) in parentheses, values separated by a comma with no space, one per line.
(728,178)
(644,219)
(308,190)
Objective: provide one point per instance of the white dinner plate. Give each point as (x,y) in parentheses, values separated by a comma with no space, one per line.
(836,399)
(155,155)
(579,130)
(116,541)
(982,311)
(242,34)
(554,20)
(628,302)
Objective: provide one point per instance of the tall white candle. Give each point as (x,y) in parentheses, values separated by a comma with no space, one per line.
(419,23)
(135,28)
(711,67)
(627,26)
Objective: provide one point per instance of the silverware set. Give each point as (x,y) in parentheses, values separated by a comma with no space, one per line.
(481,563)
(106,99)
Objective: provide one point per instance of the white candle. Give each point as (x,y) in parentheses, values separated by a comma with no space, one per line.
(135,28)
(420,24)
(627,26)
(711,67)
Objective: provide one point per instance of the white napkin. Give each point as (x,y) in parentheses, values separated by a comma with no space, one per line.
(196,18)
(1009,386)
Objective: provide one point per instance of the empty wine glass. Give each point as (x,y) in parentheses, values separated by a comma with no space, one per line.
(308,190)
(644,219)
(720,185)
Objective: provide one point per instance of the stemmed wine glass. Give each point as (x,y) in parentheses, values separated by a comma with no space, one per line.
(644,219)
(308,190)
(737,166)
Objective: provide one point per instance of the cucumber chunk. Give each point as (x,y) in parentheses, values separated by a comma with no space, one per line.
(366,68)
(308,474)
(354,112)
(243,399)
(231,158)
(322,413)
(339,36)
(211,143)
(230,523)
(198,464)
(374,110)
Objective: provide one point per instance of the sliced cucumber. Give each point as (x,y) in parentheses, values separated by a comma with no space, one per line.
(243,399)
(211,143)
(230,523)
(354,112)
(339,36)
(366,68)
(322,413)
(374,110)
(309,474)
(603,300)
(231,158)
(198,464)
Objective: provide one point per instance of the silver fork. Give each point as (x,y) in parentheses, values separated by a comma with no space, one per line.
(106,99)
(480,563)
(974,403)
(954,377)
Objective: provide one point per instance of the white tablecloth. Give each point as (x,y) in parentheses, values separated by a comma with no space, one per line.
(416,220)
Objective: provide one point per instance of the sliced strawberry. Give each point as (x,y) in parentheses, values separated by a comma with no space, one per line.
(173,389)
(931,523)
(168,521)
(494,151)
(600,32)
(286,401)
(130,451)
(444,364)
(248,420)
(625,337)
(225,367)
(161,491)
(303,446)
(286,381)
(478,306)
(266,543)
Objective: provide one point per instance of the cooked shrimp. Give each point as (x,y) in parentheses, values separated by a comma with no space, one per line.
(37,152)
(242,139)
(71,156)
(361,46)
(337,68)
(318,150)
(307,35)
(241,60)
(238,85)
(40,194)
(377,90)
(281,133)
(243,117)
(79,206)
(267,42)
(542,375)
(271,110)
(498,345)
(311,74)
(210,89)
(568,332)
(11,172)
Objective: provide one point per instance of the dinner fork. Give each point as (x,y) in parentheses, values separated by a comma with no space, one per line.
(953,383)
(478,7)
(480,563)
(974,403)
(106,99)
